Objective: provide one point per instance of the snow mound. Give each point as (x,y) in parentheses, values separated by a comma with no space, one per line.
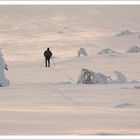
(65,82)
(124,33)
(82,52)
(100,78)
(3,81)
(89,77)
(134,82)
(121,78)
(134,49)
(137,87)
(106,51)
(124,105)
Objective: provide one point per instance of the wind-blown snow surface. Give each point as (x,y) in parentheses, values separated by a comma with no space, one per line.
(48,101)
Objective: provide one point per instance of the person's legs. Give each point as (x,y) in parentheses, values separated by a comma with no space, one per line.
(48,62)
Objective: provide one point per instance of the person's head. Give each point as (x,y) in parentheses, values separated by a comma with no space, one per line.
(48,48)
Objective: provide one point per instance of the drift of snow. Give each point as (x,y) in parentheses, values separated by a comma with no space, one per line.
(82,52)
(124,33)
(134,49)
(121,78)
(137,87)
(134,82)
(3,81)
(106,51)
(89,77)
(124,105)
(100,78)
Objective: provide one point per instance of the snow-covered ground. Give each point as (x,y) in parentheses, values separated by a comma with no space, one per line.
(44,101)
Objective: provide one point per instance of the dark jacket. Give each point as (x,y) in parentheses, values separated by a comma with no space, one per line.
(48,53)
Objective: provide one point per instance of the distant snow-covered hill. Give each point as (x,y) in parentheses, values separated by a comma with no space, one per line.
(121,41)
(26,31)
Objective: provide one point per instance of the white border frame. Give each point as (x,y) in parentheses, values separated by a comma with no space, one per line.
(68,2)
(69,137)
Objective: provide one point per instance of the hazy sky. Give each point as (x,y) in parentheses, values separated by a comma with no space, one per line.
(94,18)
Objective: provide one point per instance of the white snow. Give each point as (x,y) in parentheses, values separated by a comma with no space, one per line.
(48,101)
(121,78)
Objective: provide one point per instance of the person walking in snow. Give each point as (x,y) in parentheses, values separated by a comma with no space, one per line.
(48,55)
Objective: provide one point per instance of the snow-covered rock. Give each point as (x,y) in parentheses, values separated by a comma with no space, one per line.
(124,33)
(121,78)
(100,78)
(134,49)
(106,51)
(82,52)
(137,87)
(3,81)
(89,77)
(86,77)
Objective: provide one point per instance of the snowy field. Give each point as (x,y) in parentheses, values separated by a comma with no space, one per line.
(47,101)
